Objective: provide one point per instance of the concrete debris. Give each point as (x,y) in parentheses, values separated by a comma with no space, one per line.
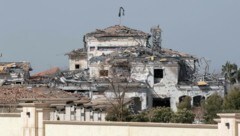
(77,52)
(118,30)
(73,76)
(14,72)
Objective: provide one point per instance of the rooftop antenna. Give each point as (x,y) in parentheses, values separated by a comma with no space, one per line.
(120,14)
(156,37)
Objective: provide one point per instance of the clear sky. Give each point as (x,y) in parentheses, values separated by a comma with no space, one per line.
(42,31)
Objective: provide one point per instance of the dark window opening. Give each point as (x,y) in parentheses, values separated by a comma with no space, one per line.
(28,114)
(161,102)
(136,105)
(197,100)
(92,48)
(182,98)
(158,75)
(77,66)
(103,72)
(107,48)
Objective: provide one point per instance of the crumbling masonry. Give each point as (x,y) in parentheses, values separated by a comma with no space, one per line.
(152,76)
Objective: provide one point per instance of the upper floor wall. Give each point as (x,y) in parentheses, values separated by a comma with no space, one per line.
(110,39)
(100,46)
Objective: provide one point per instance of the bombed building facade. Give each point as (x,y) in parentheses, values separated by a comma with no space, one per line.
(134,64)
(117,66)
(14,72)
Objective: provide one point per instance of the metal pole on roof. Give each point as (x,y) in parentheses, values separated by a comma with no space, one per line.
(120,14)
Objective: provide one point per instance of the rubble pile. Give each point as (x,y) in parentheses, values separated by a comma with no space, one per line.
(118,30)
(14,72)
(140,53)
(77,52)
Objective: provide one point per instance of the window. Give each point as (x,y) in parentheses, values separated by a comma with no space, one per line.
(92,48)
(158,75)
(77,66)
(103,72)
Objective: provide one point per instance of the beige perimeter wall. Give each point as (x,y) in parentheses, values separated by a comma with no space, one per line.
(63,128)
(10,124)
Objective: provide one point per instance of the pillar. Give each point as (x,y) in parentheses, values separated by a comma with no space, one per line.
(32,117)
(68,112)
(228,124)
(78,114)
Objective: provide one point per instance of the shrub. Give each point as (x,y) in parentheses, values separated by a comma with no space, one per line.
(211,106)
(183,116)
(185,103)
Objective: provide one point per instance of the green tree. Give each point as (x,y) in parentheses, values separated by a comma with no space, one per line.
(183,116)
(212,105)
(231,72)
(185,103)
(232,100)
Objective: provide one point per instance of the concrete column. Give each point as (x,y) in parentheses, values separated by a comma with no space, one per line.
(173,102)
(103,115)
(32,118)
(95,115)
(91,115)
(29,121)
(87,115)
(78,114)
(68,112)
(83,115)
(61,116)
(53,115)
(228,124)
(150,100)
(72,113)
(100,116)
(143,101)
(42,114)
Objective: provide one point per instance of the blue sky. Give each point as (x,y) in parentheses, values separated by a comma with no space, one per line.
(43,31)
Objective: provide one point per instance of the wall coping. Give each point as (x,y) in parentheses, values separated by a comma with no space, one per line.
(133,124)
(10,114)
(37,105)
(229,115)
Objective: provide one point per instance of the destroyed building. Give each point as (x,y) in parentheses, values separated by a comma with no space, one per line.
(14,72)
(117,65)
(151,75)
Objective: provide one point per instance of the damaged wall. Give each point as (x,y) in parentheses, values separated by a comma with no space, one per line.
(14,72)
(78,63)
(97,47)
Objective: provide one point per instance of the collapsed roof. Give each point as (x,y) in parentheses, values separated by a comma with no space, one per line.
(77,53)
(118,31)
(142,54)
(4,66)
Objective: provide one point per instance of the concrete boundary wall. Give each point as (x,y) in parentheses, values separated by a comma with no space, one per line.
(72,128)
(10,124)
(34,120)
